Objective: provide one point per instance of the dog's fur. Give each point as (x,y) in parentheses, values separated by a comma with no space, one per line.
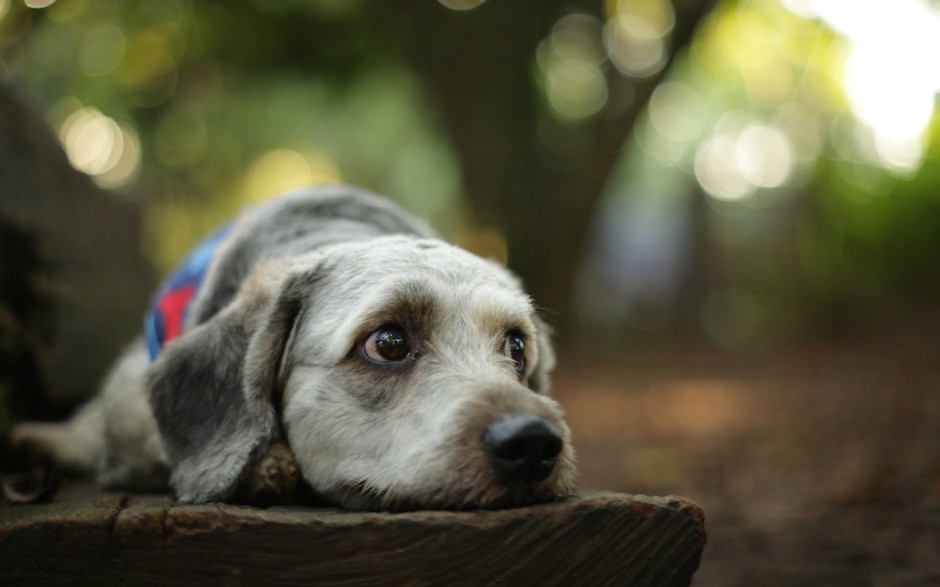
(272,354)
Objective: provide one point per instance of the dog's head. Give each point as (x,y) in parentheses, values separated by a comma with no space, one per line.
(404,373)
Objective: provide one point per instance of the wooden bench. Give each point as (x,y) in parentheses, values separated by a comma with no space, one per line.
(87,537)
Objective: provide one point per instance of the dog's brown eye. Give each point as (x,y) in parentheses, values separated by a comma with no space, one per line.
(387,344)
(515,350)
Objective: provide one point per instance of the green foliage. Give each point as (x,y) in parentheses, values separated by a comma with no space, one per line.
(234,101)
(220,104)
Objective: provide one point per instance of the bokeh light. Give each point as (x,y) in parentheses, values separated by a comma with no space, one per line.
(635,47)
(717,170)
(676,117)
(126,169)
(676,111)
(97,145)
(282,170)
(636,34)
(738,159)
(764,156)
(91,140)
(777,111)
(571,59)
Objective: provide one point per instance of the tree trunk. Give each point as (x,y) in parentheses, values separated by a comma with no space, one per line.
(478,67)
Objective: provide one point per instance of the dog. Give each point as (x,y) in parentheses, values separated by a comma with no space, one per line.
(327,339)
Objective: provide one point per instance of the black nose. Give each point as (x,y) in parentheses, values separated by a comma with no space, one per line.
(522,448)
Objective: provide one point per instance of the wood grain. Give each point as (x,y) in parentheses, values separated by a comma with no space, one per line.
(592,539)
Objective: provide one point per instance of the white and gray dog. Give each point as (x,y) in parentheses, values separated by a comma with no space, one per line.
(331,337)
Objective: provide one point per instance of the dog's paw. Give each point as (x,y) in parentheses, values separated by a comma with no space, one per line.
(273,478)
(28,466)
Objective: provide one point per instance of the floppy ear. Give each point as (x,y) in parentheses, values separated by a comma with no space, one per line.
(215,390)
(540,379)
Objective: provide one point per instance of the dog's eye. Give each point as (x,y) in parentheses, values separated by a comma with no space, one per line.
(515,349)
(387,344)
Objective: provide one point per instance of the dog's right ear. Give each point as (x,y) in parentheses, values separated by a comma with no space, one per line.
(214,390)
(540,380)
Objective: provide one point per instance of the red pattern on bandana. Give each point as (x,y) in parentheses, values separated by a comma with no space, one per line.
(173,306)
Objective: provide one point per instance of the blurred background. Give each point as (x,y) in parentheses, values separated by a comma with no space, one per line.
(729,210)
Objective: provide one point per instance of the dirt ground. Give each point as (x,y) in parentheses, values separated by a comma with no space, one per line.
(815,466)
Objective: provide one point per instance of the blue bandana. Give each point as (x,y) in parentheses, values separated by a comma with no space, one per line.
(167,312)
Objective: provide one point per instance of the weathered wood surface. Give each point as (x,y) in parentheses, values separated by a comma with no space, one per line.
(84,537)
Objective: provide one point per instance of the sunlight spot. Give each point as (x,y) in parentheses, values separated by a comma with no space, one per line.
(39,3)
(801,8)
(889,89)
(4,8)
(890,76)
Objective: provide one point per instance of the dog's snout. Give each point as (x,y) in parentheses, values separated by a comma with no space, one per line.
(522,448)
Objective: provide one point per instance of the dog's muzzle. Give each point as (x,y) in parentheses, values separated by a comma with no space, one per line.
(522,448)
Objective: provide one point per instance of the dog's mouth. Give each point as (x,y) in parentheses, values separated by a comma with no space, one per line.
(359,496)
(518,460)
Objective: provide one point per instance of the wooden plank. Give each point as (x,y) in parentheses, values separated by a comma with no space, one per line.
(592,539)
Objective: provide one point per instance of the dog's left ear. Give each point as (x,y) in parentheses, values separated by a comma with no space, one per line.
(215,390)
(540,379)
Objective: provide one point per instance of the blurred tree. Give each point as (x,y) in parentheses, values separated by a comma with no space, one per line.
(533,177)
(239,71)
(730,139)
(784,184)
